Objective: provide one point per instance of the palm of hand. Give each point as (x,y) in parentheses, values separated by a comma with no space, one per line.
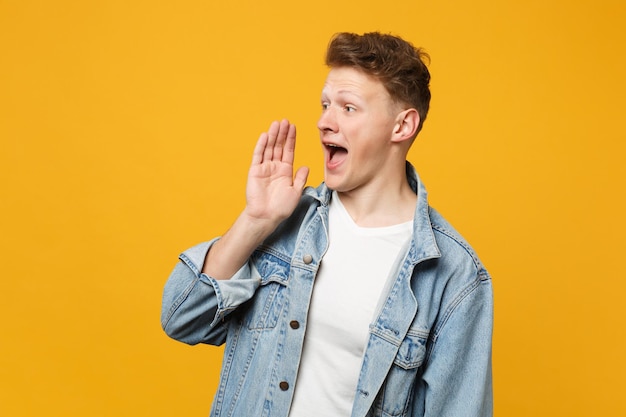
(272,192)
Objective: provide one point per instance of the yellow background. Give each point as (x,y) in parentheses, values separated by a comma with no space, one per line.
(126,130)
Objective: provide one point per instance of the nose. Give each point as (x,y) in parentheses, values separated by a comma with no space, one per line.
(327,121)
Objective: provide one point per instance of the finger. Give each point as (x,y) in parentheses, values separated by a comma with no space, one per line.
(259,148)
(290,145)
(283,129)
(301,176)
(272,133)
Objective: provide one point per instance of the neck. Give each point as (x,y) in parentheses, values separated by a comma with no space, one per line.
(384,204)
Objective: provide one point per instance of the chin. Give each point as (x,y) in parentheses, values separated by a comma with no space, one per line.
(330,182)
(336,187)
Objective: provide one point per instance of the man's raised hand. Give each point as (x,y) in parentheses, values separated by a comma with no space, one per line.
(272,191)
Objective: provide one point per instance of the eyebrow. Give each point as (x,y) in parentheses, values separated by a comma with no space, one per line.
(342,92)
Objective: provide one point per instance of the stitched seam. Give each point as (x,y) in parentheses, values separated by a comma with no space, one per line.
(461,243)
(453,306)
(177,303)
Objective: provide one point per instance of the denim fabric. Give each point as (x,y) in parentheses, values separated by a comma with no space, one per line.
(429,348)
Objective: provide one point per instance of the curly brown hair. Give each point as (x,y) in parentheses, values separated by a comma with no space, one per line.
(398,64)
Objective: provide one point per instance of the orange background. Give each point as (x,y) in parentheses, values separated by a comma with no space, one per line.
(127,127)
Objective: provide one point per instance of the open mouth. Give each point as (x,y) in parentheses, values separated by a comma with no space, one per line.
(336,150)
(336,154)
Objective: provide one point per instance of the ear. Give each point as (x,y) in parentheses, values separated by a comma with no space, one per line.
(406,125)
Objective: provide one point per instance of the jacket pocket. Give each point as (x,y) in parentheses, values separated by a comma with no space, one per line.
(412,349)
(396,395)
(266,307)
(267,304)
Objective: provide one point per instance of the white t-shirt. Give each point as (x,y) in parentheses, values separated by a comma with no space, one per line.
(348,286)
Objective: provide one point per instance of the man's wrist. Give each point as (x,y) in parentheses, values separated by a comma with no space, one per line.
(257,226)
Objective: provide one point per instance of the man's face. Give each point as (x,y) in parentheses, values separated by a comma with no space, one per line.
(358,117)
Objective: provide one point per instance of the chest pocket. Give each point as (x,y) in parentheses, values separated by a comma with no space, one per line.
(266,306)
(412,349)
(396,395)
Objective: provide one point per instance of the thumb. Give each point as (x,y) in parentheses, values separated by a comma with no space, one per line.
(301,176)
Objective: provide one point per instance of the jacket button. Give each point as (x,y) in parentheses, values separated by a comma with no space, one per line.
(307,259)
(294,324)
(284,385)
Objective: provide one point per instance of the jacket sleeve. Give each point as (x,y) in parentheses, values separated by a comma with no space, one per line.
(457,381)
(195,306)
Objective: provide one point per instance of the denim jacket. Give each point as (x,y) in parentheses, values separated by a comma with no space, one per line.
(429,347)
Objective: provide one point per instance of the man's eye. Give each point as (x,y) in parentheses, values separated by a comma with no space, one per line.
(349,108)
(324,106)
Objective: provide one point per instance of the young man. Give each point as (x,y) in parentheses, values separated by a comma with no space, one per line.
(354,298)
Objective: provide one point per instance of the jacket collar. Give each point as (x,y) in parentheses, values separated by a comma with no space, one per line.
(423,245)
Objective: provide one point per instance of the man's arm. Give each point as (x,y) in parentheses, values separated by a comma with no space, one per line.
(194,303)
(457,381)
(272,194)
